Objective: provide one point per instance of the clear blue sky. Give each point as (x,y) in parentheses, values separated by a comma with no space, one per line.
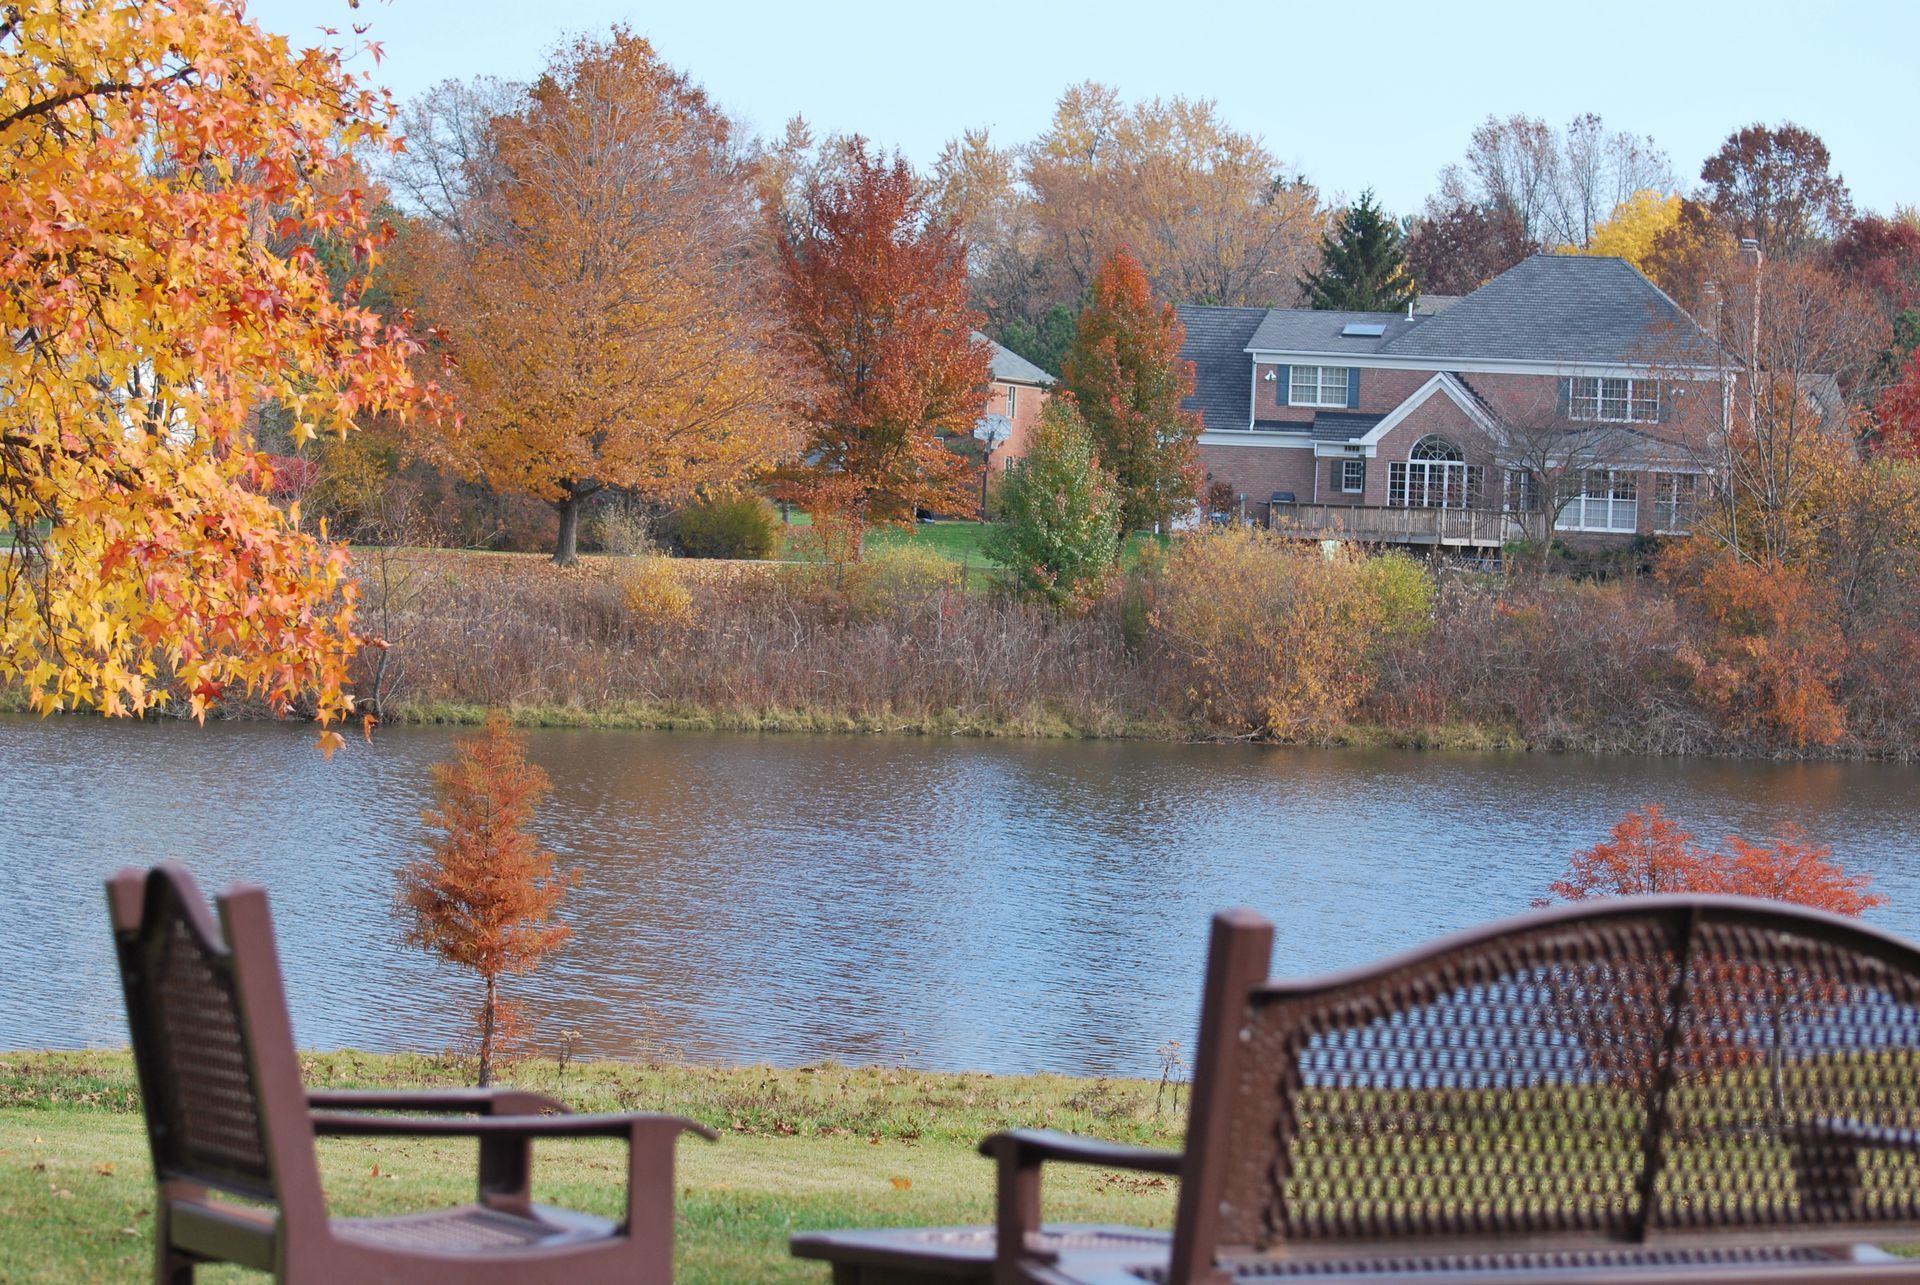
(1374,95)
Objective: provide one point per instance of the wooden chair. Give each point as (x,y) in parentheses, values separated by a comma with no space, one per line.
(232,1129)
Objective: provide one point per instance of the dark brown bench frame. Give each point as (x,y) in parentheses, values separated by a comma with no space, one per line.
(232,1129)
(1247,1084)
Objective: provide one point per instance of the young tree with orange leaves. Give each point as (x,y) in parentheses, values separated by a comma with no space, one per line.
(1125,374)
(596,266)
(875,296)
(165,169)
(1647,852)
(485,899)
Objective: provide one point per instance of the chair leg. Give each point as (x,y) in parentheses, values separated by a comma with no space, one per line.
(170,1266)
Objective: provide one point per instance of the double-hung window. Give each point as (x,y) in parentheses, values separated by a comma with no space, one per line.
(1674,497)
(1601,499)
(1613,401)
(1317,386)
(1353,477)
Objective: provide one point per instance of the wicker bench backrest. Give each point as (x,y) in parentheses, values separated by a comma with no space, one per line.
(1604,1073)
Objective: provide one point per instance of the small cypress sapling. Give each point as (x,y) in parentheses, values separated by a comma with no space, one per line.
(485,898)
(1059,529)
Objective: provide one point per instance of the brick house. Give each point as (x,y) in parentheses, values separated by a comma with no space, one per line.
(1019,390)
(1568,390)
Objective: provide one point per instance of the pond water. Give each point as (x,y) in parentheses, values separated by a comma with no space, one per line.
(1002,906)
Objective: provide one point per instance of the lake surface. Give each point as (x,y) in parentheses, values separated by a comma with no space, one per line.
(1003,906)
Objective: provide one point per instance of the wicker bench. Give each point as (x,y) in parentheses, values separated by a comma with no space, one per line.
(1660,1089)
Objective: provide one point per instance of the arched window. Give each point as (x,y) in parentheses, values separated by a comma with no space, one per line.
(1436,475)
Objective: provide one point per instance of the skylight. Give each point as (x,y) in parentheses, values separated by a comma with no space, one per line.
(1359,330)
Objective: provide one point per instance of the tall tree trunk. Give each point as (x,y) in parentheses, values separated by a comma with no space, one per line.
(488,1008)
(566,550)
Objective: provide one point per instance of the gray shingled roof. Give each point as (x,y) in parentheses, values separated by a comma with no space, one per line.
(1010,367)
(1560,308)
(1217,346)
(1307,330)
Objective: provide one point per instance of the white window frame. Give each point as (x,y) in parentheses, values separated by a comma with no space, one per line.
(1667,515)
(1613,399)
(1614,511)
(1320,385)
(1013,400)
(1353,477)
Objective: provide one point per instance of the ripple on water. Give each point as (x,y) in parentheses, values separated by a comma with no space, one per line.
(994,905)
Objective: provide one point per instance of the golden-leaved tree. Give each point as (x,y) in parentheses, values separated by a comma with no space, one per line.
(157,158)
(601,275)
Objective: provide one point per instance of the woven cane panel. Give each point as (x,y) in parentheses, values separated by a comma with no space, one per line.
(1498,1089)
(1788,1041)
(210,1103)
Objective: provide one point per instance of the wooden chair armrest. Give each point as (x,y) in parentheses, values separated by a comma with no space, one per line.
(1851,1133)
(506,1152)
(1068,1148)
(347,1124)
(489,1102)
(1020,1153)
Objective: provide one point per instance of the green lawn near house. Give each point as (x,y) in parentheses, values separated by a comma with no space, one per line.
(800,1150)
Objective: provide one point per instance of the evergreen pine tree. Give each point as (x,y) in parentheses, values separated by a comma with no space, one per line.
(1363,263)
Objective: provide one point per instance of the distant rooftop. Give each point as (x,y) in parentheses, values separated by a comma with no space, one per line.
(1011,368)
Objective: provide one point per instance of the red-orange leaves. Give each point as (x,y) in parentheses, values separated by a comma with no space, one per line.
(484,900)
(876,298)
(1646,852)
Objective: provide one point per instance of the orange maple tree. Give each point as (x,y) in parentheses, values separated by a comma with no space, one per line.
(485,899)
(1647,852)
(876,299)
(156,159)
(1126,374)
(601,278)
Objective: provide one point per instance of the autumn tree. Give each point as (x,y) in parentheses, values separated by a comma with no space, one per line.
(1647,852)
(1634,228)
(874,292)
(1363,263)
(594,264)
(1059,530)
(1126,376)
(485,899)
(1803,348)
(1208,211)
(152,156)
(1777,186)
(1559,184)
(1456,248)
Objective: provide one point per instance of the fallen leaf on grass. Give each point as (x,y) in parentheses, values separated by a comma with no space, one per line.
(901,1184)
(104,1168)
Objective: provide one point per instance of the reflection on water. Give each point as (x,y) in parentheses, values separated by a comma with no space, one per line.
(952,904)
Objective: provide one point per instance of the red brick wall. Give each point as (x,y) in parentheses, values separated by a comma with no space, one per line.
(1026,413)
(1380,392)
(1258,471)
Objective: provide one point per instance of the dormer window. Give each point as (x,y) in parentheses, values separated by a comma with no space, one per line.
(1318,386)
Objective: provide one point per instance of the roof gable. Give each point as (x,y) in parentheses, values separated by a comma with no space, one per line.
(1009,367)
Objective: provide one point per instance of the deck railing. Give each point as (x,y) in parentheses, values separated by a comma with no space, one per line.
(1487,528)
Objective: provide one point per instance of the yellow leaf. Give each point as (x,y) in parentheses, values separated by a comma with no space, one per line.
(329,742)
(901,1184)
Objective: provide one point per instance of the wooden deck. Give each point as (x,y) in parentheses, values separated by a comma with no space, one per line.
(1446,528)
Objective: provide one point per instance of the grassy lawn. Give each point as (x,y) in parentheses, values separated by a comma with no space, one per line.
(801,1149)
